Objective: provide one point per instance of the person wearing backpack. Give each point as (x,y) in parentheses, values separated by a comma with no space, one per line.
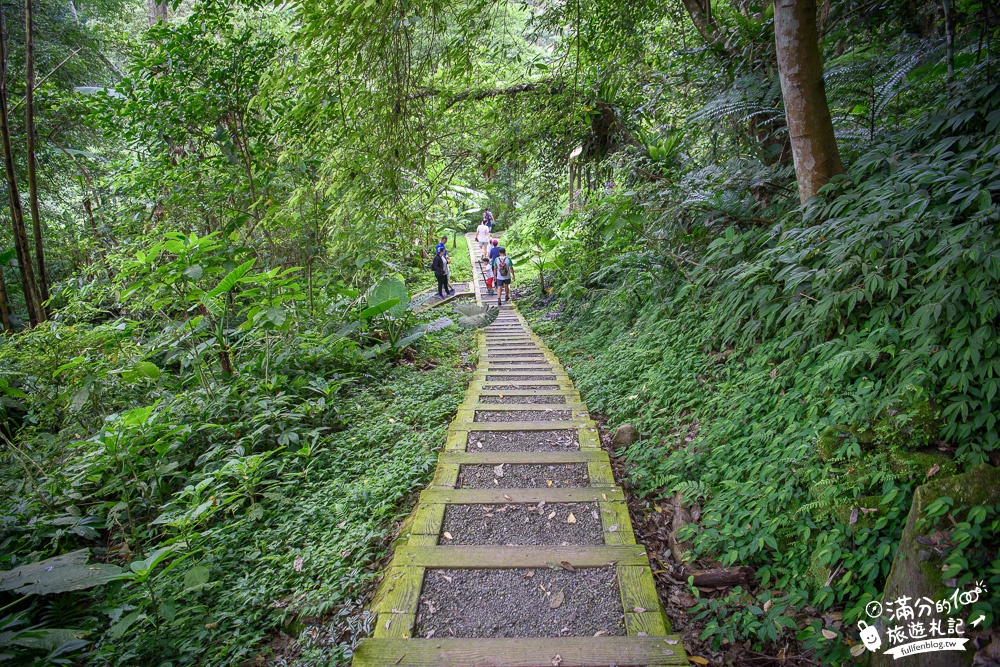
(504,272)
(440,268)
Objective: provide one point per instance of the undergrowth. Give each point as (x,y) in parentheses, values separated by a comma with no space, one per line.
(798,380)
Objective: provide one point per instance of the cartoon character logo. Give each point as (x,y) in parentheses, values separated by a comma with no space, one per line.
(870,636)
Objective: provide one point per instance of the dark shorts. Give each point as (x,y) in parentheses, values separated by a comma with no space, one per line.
(503,281)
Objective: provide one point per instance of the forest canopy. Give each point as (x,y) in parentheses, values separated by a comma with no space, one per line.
(764,233)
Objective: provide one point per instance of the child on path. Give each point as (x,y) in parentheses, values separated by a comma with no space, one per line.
(504,272)
(440,268)
(443,246)
(494,249)
(489,276)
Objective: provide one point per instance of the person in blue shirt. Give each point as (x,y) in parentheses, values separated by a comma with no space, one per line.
(495,250)
(443,247)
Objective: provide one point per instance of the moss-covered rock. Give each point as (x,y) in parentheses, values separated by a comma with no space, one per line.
(842,511)
(919,463)
(916,575)
(829,442)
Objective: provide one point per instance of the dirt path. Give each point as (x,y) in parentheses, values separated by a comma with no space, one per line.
(505,562)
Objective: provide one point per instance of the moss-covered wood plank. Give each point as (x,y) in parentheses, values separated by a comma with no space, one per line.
(519,652)
(487,557)
(582,494)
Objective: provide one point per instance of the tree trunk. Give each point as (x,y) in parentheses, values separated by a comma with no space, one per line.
(949,39)
(31,299)
(29,127)
(4,312)
(157,12)
(814,148)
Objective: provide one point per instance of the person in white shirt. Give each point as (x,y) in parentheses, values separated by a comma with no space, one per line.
(483,239)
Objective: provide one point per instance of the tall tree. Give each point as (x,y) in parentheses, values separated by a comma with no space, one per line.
(4,310)
(157,11)
(29,127)
(31,297)
(800,66)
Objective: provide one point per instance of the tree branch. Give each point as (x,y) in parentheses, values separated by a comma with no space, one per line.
(478,95)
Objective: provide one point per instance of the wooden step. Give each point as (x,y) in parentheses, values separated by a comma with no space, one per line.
(480,457)
(581,494)
(466,557)
(522,652)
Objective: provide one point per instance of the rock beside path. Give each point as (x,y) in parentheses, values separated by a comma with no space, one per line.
(915,571)
(625,435)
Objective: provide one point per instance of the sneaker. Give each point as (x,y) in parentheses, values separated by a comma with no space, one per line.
(441,297)
(506,299)
(451,291)
(498,301)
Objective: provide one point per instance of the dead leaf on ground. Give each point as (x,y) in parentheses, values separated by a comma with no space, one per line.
(566,565)
(498,470)
(638,610)
(697,659)
(341,524)
(557,600)
(448,536)
(829,634)
(600,633)
(506,497)
(298,564)
(550,482)
(854,517)
(556,661)
(933,470)
(857,650)
(613,529)
(571,518)
(551,516)
(429,634)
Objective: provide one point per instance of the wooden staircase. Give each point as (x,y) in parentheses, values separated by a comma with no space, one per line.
(647,640)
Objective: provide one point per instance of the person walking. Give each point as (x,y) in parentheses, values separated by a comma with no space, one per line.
(504,272)
(488,220)
(483,238)
(443,246)
(440,268)
(494,249)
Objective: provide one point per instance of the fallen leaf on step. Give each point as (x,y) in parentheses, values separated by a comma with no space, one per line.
(556,600)
(447,535)
(498,470)
(506,497)
(566,565)
(571,518)
(496,482)
(529,573)
(641,634)
(638,610)
(670,641)
(387,623)
(550,482)
(556,661)
(613,529)
(479,444)
(446,578)
(600,633)
(604,495)
(551,515)
(829,634)
(429,634)
(697,659)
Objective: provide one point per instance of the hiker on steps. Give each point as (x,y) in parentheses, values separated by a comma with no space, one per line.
(504,272)
(440,268)
(483,238)
(443,245)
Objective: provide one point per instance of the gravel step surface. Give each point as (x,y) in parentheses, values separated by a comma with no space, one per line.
(517,378)
(523,416)
(537,399)
(520,603)
(517,525)
(523,441)
(522,387)
(523,476)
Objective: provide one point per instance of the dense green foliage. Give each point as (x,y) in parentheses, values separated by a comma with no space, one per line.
(828,357)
